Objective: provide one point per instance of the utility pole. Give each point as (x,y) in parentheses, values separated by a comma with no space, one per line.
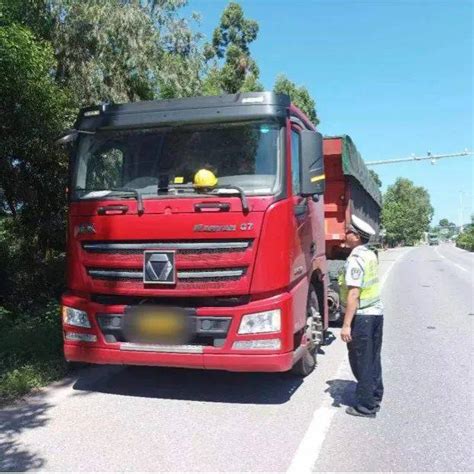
(428,156)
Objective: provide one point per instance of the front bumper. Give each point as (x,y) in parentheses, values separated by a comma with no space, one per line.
(208,357)
(230,362)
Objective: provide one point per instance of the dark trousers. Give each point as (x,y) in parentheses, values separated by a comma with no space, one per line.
(364,357)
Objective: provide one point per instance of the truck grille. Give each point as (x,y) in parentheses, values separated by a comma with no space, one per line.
(202,266)
(181,247)
(195,275)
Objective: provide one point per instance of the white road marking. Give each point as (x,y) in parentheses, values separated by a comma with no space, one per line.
(450,261)
(384,278)
(439,253)
(310,446)
(460,267)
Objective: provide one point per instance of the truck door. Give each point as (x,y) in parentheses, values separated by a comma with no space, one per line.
(303,241)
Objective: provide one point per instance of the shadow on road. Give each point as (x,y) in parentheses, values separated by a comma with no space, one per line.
(342,392)
(14,420)
(187,384)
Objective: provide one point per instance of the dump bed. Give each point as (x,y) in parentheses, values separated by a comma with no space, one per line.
(349,190)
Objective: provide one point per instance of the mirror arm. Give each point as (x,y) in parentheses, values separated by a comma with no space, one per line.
(71,135)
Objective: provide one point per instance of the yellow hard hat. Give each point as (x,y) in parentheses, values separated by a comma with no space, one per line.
(205,179)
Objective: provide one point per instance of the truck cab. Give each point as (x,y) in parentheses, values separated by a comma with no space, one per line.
(167,271)
(433,238)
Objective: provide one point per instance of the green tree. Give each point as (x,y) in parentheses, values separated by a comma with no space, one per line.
(299,95)
(406,212)
(117,50)
(181,64)
(233,69)
(33,110)
(32,14)
(444,222)
(375,177)
(104,50)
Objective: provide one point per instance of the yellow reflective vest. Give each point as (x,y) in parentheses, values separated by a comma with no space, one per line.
(361,270)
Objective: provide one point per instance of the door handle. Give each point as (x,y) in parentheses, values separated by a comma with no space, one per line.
(112,210)
(212,206)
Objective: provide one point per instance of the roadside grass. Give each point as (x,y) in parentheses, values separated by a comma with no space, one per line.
(30,351)
(465,240)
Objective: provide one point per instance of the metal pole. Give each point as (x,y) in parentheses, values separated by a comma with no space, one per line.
(429,156)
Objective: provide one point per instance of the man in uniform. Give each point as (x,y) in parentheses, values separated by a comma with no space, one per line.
(363,318)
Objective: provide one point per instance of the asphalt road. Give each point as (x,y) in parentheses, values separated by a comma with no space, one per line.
(155,419)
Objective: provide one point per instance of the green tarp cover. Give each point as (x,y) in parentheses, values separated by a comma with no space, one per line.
(353,165)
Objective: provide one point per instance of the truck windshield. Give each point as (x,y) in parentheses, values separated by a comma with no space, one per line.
(241,154)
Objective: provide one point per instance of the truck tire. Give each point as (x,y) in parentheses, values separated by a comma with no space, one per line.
(315,333)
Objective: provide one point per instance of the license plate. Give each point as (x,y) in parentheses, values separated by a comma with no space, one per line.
(158,325)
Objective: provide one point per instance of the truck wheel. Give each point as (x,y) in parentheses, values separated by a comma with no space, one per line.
(314,335)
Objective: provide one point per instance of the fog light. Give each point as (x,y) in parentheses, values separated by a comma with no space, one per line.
(214,325)
(75,317)
(258,344)
(77,336)
(266,321)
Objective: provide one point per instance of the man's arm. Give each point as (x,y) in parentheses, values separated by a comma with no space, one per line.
(351,308)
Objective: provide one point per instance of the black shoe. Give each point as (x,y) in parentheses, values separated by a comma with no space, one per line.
(354,412)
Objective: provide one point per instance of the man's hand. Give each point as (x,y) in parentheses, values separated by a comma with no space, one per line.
(346,334)
(352,305)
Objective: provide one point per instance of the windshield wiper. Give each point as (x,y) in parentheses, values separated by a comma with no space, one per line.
(136,193)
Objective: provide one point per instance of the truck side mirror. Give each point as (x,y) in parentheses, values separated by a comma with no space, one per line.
(312,163)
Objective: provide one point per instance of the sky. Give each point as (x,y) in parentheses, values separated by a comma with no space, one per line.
(395,75)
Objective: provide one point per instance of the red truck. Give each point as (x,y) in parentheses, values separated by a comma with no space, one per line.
(169,266)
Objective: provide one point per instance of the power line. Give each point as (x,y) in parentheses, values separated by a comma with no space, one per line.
(428,156)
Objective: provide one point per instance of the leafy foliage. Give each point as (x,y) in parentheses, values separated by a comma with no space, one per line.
(376,177)
(230,43)
(465,239)
(406,212)
(30,350)
(33,110)
(445,229)
(299,95)
(104,50)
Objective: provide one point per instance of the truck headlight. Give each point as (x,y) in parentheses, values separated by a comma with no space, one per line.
(266,321)
(75,317)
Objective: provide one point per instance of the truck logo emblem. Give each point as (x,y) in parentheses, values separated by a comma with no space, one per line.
(222,227)
(86,228)
(159,267)
(214,228)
